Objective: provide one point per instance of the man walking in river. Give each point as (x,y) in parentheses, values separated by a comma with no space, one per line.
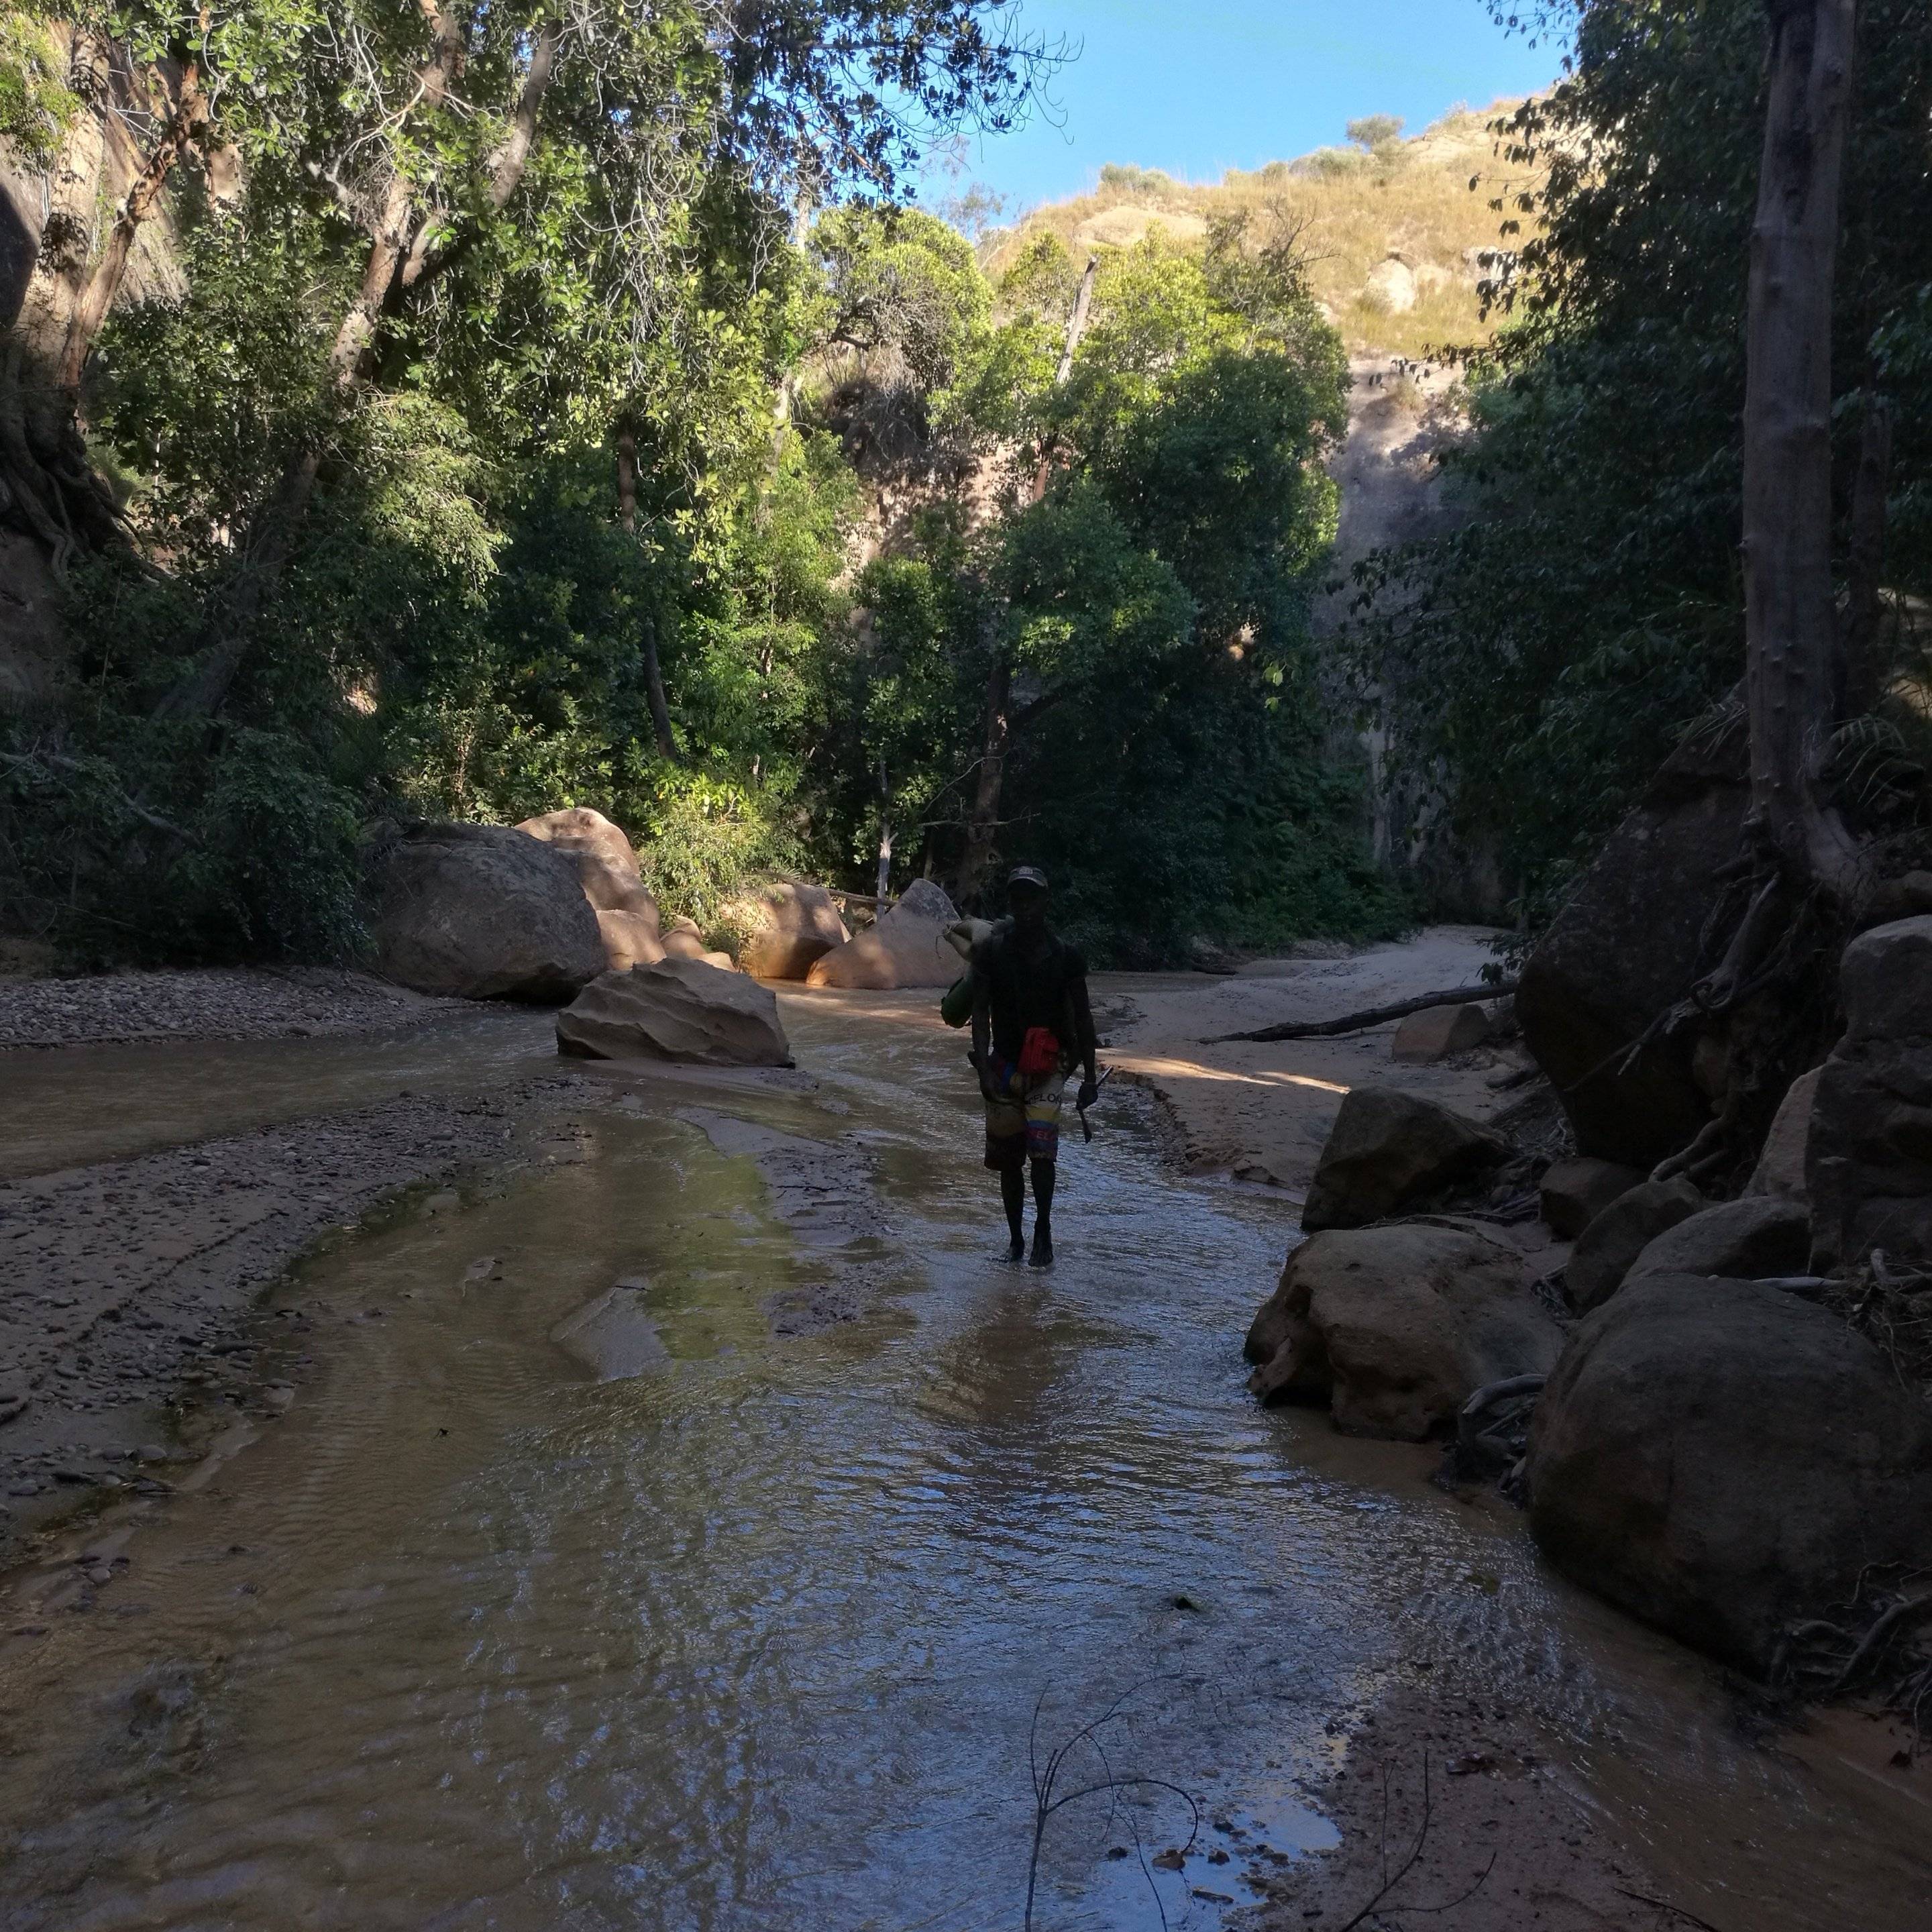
(1032,1024)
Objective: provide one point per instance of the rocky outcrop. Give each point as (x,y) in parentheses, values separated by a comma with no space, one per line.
(1868,1165)
(676,1009)
(1721,1458)
(908,947)
(1780,1167)
(1610,1243)
(788,927)
(1395,1327)
(607,867)
(1389,1150)
(1628,945)
(1437,1032)
(1749,1240)
(1390,285)
(481,912)
(1572,1193)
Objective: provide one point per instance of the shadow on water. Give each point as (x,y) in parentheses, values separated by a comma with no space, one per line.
(686,1536)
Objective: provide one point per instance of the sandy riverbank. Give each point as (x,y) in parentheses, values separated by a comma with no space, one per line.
(1262,1110)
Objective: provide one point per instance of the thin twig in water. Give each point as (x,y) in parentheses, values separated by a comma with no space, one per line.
(1047,1800)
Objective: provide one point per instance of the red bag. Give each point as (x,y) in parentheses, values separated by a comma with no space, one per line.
(1039,1052)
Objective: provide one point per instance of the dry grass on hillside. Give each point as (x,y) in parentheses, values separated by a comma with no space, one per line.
(1412,200)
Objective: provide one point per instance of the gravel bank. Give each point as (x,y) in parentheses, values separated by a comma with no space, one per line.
(126,1288)
(238,1003)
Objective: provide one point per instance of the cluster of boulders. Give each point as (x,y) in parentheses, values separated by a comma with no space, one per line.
(556,909)
(1394,1323)
(1714,1446)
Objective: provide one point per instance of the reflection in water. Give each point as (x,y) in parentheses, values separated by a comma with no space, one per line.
(751,1632)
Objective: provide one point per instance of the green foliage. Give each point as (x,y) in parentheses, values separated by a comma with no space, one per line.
(705,838)
(898,279)
(1541,661)
(128,840)
(1124,178)
(36,104)
(406,525)
(1377,134)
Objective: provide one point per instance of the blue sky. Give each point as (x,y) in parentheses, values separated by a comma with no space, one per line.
(1196,87)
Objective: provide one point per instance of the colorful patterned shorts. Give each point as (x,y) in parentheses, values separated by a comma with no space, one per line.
(1024,1124)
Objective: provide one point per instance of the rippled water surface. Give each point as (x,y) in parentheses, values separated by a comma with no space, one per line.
(689,1534)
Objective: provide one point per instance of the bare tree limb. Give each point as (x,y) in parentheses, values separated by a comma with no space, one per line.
(1369,1016)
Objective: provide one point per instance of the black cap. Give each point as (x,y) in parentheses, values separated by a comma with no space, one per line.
(1027,875)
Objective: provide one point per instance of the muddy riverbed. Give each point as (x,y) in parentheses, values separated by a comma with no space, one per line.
(698,1525)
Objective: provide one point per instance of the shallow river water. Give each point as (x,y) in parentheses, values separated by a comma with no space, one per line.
(691,1532)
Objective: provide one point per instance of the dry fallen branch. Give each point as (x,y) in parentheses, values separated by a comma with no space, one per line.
(1664,1905)
(1370,1016)
(1047,1799)
(1390,1881)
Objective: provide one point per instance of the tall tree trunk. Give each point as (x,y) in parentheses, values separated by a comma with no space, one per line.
(885,874)
(1792,668)
(185,126)
(627,517)
(48,488)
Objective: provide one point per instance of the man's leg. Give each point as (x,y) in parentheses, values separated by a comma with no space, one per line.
(1044,1172)
(1013,1196)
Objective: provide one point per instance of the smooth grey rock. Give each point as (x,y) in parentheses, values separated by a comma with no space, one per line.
(1437,1032)
(1572,1193)
(1868,1160)
(1748,1240)
(1626,945)
(1780,1165)
(1721,1458)
(1388,1150)
(482,912)
(678,1009)
(1395,1327)
(1610,1243)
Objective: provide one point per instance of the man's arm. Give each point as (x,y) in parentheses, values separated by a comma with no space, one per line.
(983,1032)
(1084,1039)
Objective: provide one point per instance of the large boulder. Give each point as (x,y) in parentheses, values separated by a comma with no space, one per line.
(787,927)
(1388,1150)
(1609,1244)
(1437,1032)
(1721,1458)
(607,867)
(908,947)
(1395,1327)
(676,1009)
(1572,1193)
(1868,1164)
(629,940)
(1780,1166)
(481,912)
(1627,945)
(682,940)
(1749,1240)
